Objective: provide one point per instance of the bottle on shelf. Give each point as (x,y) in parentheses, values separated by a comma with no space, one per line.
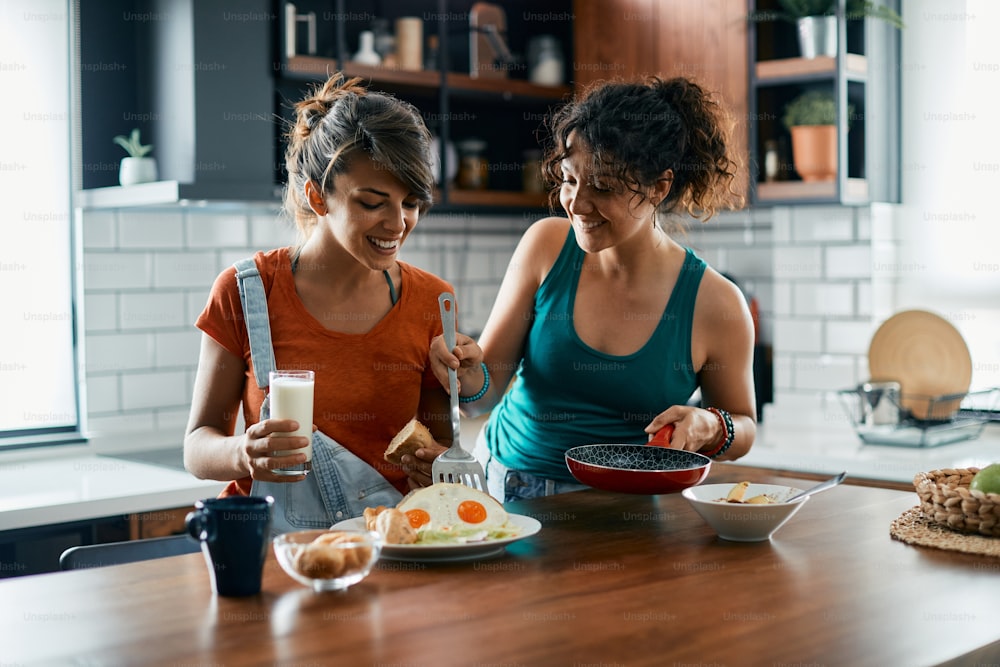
(366,54)
(473,169)
(431,54)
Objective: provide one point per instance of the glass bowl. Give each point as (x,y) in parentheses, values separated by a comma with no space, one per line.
(328,560)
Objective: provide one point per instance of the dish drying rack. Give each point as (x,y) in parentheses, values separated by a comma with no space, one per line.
(975,410)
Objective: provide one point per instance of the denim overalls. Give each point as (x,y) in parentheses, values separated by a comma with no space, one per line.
(340,485)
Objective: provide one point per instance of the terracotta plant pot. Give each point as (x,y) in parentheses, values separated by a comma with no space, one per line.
(814,152)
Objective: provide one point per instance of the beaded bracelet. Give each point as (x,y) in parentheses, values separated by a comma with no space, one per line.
(729,433)
(482,392)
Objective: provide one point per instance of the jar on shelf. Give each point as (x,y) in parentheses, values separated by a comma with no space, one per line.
(545,61)
(772,164)
(531,172)
(473,168)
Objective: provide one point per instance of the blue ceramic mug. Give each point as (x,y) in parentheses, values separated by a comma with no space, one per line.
(234,533)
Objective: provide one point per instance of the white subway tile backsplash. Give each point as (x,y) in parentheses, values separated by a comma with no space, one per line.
(852,261)
(863,292)
(187,269)
(781,225)
(117,270)
(152,310)
(115,352)
(846,337)
(217,230)
(154,390)
(823,299)
(749,262)
(99,230)
(178,348)
(822,223)
(100,312)
(782,292)
(798,335)
(270,229)
(103,395)
(824,372)
(148,229)
(478,266)
(794,263)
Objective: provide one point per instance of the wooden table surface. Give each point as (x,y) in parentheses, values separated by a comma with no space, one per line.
(610,579)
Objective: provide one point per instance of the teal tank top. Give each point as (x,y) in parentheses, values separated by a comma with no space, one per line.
(566,393)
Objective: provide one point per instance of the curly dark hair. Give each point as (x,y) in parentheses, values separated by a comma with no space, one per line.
(340,118)
(637,130)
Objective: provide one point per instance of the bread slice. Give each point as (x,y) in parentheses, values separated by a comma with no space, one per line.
(412,437)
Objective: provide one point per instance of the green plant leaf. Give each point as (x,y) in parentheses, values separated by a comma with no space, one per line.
(814,107)
(132,144)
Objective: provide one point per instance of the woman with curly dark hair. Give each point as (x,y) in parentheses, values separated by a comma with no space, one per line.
(607,325)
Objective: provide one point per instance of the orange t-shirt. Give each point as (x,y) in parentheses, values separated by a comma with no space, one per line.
(367,385)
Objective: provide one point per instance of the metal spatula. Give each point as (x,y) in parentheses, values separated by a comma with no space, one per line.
(455,465)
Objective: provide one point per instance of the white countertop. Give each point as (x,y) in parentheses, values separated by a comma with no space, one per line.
(833,447)
(87,486)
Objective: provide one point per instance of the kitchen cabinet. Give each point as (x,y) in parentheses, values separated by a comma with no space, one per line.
(705,41)
(506,112)
(863,77)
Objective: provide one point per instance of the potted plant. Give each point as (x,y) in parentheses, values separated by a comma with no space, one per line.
(816,21)
(138,167)
(812,120)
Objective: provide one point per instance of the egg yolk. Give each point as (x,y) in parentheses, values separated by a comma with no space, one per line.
(418,518)
(471,511)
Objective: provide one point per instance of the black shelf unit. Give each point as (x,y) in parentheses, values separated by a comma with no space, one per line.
(508,113)
(863,74)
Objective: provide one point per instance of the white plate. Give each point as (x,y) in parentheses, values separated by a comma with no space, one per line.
(444,553)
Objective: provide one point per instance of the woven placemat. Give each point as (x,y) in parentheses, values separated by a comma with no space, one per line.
(913,527)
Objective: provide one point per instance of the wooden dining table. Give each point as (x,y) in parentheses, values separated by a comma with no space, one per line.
(610,579)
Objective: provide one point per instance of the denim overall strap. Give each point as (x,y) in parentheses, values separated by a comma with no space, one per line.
(340,485)
(254,301)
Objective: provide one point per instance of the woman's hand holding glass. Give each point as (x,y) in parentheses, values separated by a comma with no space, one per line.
(267,446)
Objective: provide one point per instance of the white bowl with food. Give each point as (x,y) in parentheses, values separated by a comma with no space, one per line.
(744,512)
(328,560)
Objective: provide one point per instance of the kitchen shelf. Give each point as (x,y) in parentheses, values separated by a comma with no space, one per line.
(855,189)
(783,69)
(506,113)
(862,76)
(316,68)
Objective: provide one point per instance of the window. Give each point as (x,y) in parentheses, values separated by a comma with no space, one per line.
(39,397)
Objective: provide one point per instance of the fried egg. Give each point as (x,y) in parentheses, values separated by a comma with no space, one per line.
(457,508)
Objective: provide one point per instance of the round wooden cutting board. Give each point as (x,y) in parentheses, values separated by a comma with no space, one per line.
(927,356)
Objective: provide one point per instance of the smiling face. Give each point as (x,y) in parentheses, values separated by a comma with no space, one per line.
(604,211)
(369,213)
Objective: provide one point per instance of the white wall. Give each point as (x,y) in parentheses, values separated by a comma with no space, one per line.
(948,224)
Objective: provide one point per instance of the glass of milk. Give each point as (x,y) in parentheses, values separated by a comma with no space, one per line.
(291,397)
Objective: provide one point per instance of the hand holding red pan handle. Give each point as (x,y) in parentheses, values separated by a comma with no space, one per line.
(662,437)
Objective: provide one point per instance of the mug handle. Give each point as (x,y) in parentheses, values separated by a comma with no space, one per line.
(200,525)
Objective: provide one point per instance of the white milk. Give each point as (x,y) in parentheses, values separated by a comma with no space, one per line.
(292,398)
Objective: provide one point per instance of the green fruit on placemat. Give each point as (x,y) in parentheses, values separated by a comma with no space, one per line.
(987,480)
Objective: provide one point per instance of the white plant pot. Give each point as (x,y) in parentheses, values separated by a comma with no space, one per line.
(817,36)
(137,170)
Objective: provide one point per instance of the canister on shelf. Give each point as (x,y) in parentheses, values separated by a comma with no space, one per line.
(473,169)
(531,172)
(410,43)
